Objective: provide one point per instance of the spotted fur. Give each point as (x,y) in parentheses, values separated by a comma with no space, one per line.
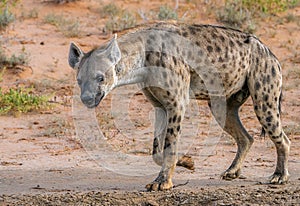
(173,63)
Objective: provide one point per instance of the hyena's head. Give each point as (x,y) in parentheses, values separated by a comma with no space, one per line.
(96,75)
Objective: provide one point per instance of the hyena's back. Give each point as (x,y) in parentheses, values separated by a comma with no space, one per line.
(217,58)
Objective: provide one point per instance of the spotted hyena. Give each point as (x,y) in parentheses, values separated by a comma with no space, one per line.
(173,63)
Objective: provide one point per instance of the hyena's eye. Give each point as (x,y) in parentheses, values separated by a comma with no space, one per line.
(79,81)
(100,78)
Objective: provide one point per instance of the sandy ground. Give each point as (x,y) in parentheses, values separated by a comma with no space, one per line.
(47,159)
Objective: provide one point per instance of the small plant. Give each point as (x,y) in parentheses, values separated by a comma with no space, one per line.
(110,10)
(6,17)
(31,14)
(166,13)
(20,100)
(69,27)
(290,18)
(236,16)
(123,21)
(119,19)
(14,60)
(268,6)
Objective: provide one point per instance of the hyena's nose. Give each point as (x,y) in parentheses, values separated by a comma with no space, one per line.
(87,98)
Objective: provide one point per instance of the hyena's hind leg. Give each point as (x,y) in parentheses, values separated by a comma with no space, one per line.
(233,126)
(160,130)
(266,94)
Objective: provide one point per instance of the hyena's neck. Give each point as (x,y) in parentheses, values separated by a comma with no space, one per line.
(130,69)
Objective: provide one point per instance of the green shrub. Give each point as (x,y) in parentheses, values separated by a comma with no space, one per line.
(123,21)
(6,17)
(268,6)
(240,13)
(166,13)
(69,27)
(236,16)
(110,10)
(20,100)
(118,19)
(14,60)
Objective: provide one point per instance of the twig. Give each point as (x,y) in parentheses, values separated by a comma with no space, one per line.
(179,185)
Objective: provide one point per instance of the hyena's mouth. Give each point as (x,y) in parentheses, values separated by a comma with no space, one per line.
(98,98)
(96,101)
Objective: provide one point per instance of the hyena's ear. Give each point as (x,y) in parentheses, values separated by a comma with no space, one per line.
(75,53)
(113,51)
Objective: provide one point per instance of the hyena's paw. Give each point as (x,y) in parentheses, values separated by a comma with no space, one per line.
(231,174)
(278,178)
(186,161)
(159,186)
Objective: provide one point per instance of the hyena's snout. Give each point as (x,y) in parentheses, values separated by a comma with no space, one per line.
(91,100)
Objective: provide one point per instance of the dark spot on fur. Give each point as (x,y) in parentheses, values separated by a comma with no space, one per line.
(222,38)
(179,119)
(167,143)
(151,36)
(209,48)
(274,128)
(269,118)
(163,45)
(168,93)
(157,63)
(192,30)
(273,71)
(264,108)
(164,75)
(178,128)
(174,118)
(231,43)
(257,86)
(185,33)
(170,131)
(174,60)
(247,41)
(266,97)
(148,55)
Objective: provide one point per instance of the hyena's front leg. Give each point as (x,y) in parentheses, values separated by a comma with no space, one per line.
(159,141)
(159,135)
(164,179)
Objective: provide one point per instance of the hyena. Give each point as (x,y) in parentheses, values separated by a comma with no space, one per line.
(173,63)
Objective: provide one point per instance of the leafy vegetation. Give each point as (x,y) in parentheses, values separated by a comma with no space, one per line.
(240,14)
(118,19)
(14,60)
(6,17)
(268,6)
(166,13)
(20,100)
(236,16)
(69,27)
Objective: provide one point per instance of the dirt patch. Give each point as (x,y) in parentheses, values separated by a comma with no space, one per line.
(44,162)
